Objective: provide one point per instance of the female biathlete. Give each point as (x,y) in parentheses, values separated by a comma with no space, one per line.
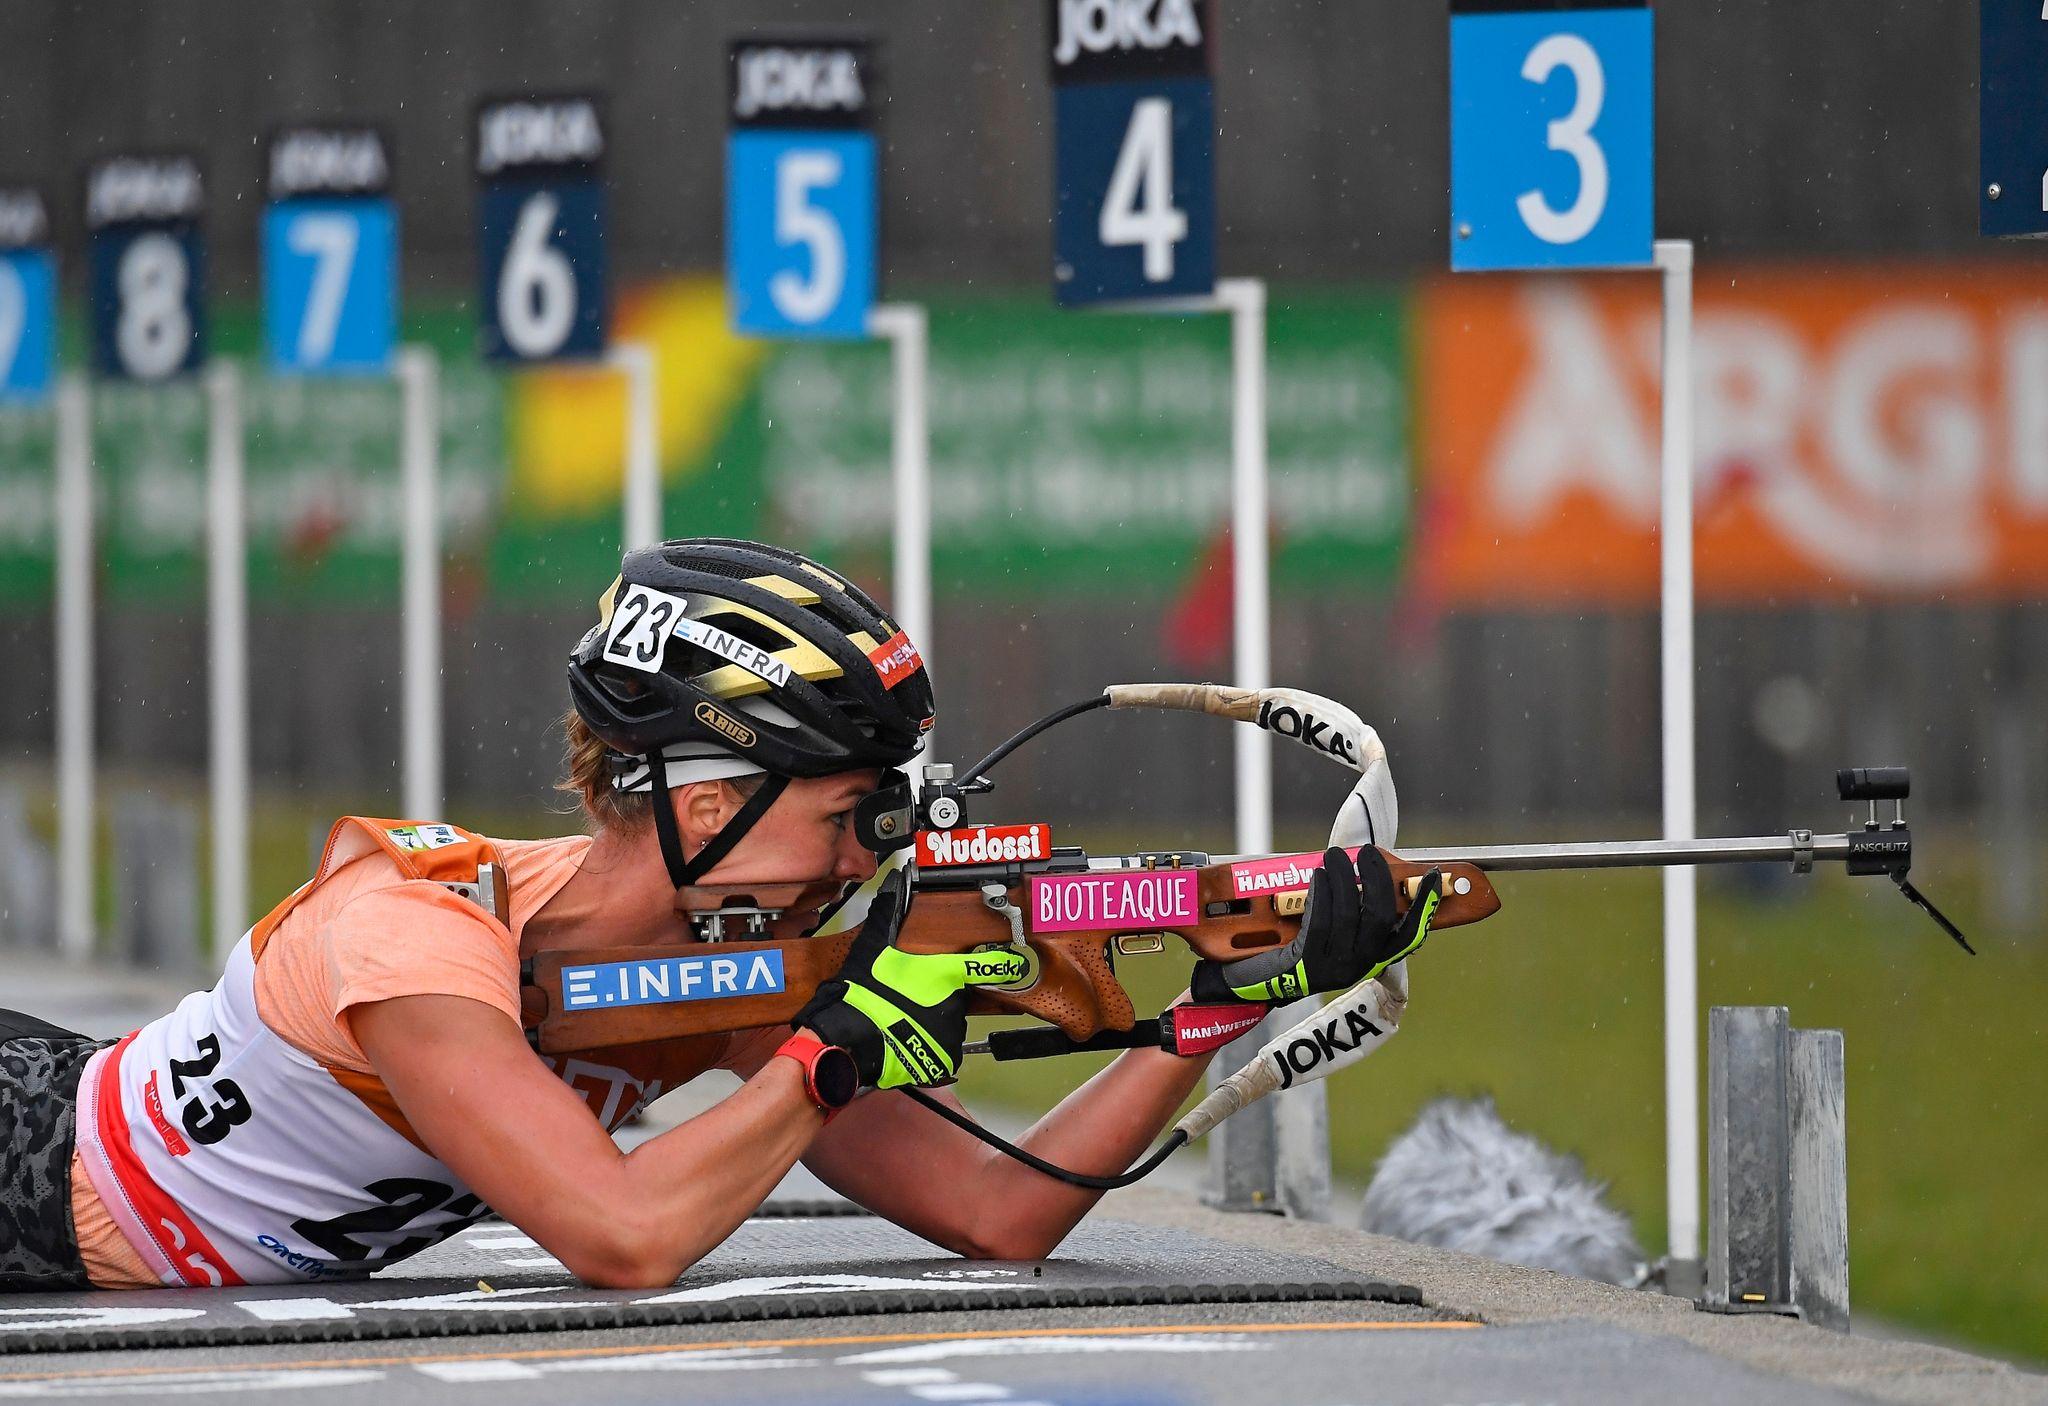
(358,1085)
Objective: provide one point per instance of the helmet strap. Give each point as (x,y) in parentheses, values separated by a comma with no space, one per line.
(684,872)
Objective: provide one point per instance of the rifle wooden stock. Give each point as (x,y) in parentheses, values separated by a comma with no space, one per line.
(1076,988)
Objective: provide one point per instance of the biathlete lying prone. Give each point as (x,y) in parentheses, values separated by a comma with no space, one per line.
(358,1084)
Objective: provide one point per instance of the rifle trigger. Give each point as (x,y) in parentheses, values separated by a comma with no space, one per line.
(997,898)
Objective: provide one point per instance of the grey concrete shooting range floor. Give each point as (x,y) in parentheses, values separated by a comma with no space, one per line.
(491,1278)
(1544,1339)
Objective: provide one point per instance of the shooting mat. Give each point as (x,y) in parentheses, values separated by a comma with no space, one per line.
(492,1279)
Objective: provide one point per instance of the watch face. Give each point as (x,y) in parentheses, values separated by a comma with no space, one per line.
(835,1077)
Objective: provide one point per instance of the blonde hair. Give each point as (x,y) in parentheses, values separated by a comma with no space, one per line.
(587,775)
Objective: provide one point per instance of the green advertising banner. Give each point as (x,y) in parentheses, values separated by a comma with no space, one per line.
(1066,449)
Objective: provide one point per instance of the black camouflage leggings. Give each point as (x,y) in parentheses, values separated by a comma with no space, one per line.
(40,1065)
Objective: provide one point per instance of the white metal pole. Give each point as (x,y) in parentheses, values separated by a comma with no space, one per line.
(1681,891)
(908,333)
(1250,623)
(635,361)
(420,588)
(227,639)
(74,645)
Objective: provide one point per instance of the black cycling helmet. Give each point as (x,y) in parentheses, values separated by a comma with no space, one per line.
(711,646)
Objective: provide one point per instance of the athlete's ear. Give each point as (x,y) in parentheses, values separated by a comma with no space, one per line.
(702,808)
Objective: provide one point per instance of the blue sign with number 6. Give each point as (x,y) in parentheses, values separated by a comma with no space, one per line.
(540,229)
(1551,143)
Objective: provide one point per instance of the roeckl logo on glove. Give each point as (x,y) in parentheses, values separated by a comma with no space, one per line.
(1307,1053)
(1303,727)
(916,1055)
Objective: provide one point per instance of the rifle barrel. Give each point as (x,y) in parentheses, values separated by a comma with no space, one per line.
(1800,848)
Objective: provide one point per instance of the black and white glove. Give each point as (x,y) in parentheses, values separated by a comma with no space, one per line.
(1350,932)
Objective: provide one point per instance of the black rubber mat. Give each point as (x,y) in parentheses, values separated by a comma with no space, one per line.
(491,1279)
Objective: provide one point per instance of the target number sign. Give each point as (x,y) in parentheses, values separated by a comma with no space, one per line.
(147,265)
(28,295)
(800,187)
(1551,143)
(1134,119)
(540,228)
(330,251)
(2012,185)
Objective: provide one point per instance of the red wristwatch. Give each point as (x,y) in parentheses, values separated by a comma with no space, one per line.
(831,1077)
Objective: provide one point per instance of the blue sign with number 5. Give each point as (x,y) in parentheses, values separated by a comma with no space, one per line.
(1551,141)
(800,232)
(800,186)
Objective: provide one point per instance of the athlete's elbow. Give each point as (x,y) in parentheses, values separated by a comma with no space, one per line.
(1010,1240)
(627,1257)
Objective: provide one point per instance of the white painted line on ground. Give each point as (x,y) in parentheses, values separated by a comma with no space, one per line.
(1024,1347)
(908,1376)
(493,1370)
(961,1391)
(292,1310)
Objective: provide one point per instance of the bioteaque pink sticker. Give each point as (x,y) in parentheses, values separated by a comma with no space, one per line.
(1129,899)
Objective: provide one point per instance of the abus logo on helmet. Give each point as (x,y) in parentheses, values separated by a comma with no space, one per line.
(984,844)
(1303,727)
(722,723)
(895,659)
(1098,26)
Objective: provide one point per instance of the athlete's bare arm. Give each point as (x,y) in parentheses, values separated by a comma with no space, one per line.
(889,1154)
(527,1144)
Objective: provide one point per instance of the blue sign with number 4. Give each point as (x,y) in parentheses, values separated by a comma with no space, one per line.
(1551,142)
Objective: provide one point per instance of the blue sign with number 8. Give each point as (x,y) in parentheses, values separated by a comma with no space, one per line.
(1551,141)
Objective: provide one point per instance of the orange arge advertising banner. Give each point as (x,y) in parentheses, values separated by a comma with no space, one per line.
(1878,432)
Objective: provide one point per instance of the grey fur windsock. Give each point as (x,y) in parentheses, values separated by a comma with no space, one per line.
(1461,1179)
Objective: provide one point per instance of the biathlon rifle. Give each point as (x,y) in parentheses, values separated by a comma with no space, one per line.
(1041,925)
(1046,923)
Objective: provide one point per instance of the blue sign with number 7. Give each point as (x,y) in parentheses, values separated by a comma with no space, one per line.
(329,293)
(1552,156)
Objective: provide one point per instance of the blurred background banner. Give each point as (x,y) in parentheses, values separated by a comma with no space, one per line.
(1863,432)
(1062,444)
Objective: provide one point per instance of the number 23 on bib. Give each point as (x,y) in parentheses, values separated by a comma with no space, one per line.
(1134,113)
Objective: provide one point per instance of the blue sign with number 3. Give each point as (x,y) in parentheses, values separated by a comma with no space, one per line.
(1551,143)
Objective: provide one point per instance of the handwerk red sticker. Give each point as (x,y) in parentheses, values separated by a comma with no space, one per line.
(984,844)
(1281,874)
(1200,1029)
(895,659)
